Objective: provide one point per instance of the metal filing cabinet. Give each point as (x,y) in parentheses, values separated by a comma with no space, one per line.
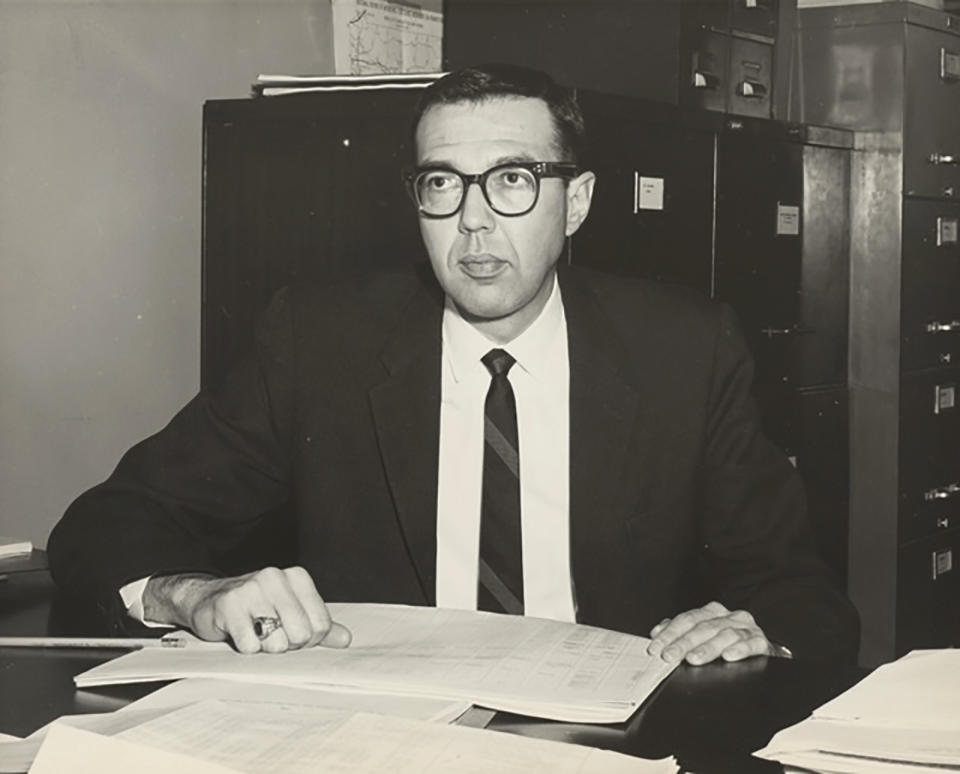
(891,71)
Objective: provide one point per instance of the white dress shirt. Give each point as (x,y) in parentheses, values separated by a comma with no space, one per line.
(540,379)
(541,384)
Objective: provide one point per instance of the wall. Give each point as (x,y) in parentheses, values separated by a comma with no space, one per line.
(100,207)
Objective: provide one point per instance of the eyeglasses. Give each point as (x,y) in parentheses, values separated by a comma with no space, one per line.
(510,189)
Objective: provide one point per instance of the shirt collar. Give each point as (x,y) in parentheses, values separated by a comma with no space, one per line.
(464,345)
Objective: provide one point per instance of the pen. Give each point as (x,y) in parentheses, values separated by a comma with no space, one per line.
(128,643)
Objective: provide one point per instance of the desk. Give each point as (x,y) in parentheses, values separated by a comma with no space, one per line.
(709,717)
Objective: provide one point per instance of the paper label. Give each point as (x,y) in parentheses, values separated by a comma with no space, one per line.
(946,231)
(788,220)
(946,398)
(649,193)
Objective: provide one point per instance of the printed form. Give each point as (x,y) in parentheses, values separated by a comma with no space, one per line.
(271,740)
(531,666)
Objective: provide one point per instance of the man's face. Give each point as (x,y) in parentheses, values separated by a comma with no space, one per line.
(498,269)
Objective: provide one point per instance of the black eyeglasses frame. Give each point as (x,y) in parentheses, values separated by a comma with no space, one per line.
(540,169)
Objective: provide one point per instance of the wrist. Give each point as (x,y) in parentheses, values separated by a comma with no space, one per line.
(172,599)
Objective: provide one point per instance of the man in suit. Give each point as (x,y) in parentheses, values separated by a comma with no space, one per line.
(495,433)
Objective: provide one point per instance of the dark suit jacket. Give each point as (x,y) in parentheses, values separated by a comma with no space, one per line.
(676,497)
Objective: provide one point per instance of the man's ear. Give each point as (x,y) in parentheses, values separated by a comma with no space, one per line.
(579,196)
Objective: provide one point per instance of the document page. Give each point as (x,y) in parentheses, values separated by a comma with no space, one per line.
(266,740)
(246,737)
(17,756)
(920,690)
(74,750)
(532,666)
(183,692)
(906,713)
(929,746)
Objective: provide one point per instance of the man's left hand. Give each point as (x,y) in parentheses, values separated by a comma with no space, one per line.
(707,633)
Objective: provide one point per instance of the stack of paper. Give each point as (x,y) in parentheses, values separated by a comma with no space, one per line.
(277,85)
(218,738)
(16,755)
(903,717)
(10,547)
(531,666)
(938,4)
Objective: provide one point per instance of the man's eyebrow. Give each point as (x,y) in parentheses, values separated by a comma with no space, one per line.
(508,159)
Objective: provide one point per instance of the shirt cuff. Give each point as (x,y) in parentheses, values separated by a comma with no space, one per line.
(132,596)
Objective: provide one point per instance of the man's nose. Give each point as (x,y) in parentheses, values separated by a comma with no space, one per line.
(475,213)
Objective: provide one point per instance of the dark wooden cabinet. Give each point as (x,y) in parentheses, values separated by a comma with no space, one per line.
(300,187)
(751,211)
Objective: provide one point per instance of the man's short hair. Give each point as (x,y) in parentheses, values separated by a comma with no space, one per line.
(491,81)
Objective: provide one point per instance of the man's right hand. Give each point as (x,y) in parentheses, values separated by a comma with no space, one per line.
(225,608)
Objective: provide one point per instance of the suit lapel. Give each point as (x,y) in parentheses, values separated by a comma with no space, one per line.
(406,410)
(603,415)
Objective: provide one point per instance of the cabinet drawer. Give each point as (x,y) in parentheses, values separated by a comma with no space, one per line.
(930,296)
(930,423)
(751,78)
(756,16)
(929,453)
(704,69)
(932,113)
(928,593)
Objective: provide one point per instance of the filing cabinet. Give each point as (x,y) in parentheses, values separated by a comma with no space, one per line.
(726,72)
(653,207)
(928,592)
(748,209)
(891,72)
(753,212)
(726,55)
(291,187)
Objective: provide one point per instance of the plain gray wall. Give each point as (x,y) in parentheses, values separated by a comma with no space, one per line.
(100,206)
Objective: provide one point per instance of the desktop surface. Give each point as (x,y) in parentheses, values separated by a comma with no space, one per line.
(710,717)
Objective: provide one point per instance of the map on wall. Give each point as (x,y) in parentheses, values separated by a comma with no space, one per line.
(378,36)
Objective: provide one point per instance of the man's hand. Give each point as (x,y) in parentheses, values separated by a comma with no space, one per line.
(225,608)
(708,633)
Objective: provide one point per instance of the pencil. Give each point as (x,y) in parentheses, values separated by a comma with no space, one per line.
(126,643)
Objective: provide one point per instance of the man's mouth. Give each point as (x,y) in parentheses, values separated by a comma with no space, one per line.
(482,266)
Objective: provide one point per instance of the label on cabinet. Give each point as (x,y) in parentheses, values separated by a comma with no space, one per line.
(942,562)
(788,220)
(648,192)
(946,231)
(946,398)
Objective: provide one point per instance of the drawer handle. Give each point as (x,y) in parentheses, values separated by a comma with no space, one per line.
(939,327)
(947,159)
(942,492)
(943,522)
(751,90)
(704,80)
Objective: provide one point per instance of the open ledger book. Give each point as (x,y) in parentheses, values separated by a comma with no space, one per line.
(531,666)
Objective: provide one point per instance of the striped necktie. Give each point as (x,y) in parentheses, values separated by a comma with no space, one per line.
(500,587)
